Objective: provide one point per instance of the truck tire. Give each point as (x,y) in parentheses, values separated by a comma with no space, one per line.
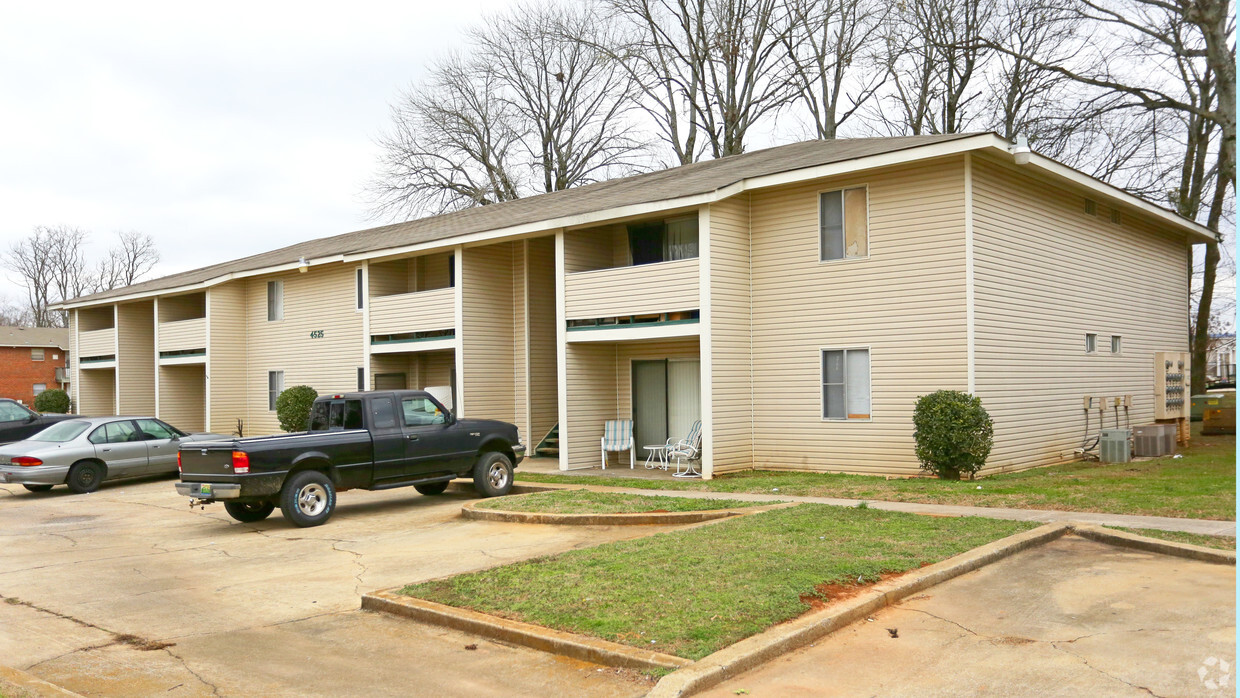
(85,477)
(38,488)
(308,498)
(493,474)
(431,488)
(250,512)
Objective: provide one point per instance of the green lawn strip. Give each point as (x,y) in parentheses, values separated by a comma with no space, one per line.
(1220,542)
(1200,485)
(586,502)
(692,592)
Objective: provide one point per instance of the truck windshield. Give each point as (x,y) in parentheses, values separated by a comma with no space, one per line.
(61,432)
(334,415)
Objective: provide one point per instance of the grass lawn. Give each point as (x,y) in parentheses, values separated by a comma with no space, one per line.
(1201,485)
(695,591)
(1220,542)
(583,502)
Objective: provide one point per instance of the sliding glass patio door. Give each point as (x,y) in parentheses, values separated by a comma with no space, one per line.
(666,399)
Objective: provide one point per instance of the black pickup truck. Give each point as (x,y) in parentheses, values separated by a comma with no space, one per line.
(369,441)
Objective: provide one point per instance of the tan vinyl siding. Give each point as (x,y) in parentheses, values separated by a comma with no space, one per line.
(391,278)
(183,334)
(182,399)
(97,342)
(731,366)
(433,271)
(487,332)
(228,358)
(647,288)
(413,312)
(586,250)
(544,402)
(186,307)
(1045,274)
(321,299)
(591,400)
(135,360)
(906,302)
(97,392)
(435,368)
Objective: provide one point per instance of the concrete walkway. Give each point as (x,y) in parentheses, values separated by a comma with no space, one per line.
(1207,527)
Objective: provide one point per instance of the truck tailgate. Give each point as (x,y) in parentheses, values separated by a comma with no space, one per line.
(213,458)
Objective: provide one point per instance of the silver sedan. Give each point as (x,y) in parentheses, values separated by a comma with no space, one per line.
(82,453)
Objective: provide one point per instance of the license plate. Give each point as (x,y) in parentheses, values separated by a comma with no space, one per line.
(204,489)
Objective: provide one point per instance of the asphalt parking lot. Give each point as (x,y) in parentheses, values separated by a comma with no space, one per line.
(128,591)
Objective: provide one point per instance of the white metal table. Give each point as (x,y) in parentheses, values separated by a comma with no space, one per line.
(656,456)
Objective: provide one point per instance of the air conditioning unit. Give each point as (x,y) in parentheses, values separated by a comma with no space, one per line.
(1148,441)
(1113,446)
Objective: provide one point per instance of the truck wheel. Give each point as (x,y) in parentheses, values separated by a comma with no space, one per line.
(308,498)
(38,488)
(431,488)
(249,512)
(85,477)
(493,475)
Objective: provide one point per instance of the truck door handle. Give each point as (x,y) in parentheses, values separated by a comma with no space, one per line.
(106,450)
(412,437)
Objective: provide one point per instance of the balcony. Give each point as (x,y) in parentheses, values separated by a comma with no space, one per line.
(95,343)
(183,335)
(409,313)
(663,287)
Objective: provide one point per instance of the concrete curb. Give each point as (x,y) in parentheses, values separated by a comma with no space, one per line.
(557,642)
(765,646)
(1155,545)
(467,487)
(33,685)
(470,510)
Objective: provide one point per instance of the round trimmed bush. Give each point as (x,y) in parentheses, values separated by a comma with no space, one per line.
(954,433)
(55,401)
(293,407)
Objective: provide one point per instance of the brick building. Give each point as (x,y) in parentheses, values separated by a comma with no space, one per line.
(32,359)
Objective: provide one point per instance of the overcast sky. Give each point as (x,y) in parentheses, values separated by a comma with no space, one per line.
(222,129)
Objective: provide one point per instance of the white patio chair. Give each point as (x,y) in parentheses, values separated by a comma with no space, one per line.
(617,437)
(685,451)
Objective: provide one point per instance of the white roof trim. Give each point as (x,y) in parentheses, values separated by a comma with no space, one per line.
(988,141)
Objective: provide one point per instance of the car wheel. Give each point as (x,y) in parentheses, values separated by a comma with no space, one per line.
(308,498)
(493,475)
(38,488)
(432,488)
(249,512)
(85,477)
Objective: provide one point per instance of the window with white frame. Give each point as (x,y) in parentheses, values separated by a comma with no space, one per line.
(843,224)
(39,387)
(361,293)
(845,384)
(275,386)
(1091,343)
(36,354)
(1116,343)
(275,300)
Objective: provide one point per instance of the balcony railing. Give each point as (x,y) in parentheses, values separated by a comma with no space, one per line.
(405,313)
(97,342)
(183,335)
(637,290)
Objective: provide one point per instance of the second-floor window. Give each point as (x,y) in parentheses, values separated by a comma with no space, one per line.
(843,225)
(664,241)
(36,354)
(275,301)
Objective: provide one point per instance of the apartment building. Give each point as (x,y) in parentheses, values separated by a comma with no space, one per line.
(796,300)
(32,359)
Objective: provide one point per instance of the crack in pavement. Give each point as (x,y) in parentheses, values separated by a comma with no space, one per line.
(215,690)
(1107,674)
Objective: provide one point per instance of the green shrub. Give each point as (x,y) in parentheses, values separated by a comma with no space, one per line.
(54,400)
(293,407)
(954,433)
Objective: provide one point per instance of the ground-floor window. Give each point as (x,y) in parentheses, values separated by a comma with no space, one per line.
(845,384)
(39,387)
(275,386)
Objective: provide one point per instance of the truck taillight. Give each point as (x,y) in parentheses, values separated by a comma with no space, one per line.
(27,461)
(241,462)
(179,462)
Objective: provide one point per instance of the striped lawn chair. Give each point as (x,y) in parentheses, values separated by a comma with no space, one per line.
(685,451)
(618,436)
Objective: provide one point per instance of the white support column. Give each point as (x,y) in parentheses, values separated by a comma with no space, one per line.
(206,363)
(75,363)
(459,353)
(561,349)
(155,314)
(970,336)
(116,358)
(366,326)
(704,343)
(525,301)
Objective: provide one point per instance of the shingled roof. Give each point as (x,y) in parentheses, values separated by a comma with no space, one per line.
(673,183)
(34,337)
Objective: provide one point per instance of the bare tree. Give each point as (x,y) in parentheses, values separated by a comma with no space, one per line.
(1024,98)
(830,45)
(132,258)
(13,314)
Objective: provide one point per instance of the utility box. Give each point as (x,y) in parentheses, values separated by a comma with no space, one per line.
(1202,401)
(1113,446)
(1219,420)
(1149,440)
(1172,370)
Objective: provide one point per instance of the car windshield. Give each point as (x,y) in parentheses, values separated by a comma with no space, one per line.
(61,432)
